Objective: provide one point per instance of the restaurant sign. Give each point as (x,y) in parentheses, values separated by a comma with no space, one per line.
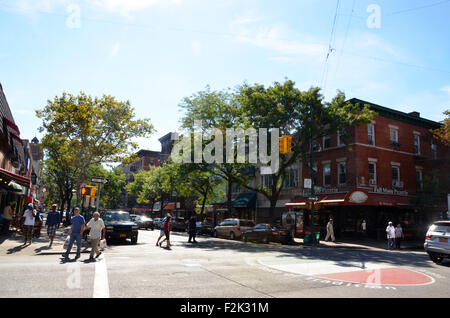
(389,191)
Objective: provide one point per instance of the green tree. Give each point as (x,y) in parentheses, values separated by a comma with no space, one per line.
(84,130)
(303,115)
(442,134)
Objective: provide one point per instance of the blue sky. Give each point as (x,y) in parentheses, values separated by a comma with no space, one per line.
(155,52)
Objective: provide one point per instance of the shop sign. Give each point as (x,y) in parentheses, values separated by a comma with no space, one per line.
(389,191)
(358,197)
(327,191)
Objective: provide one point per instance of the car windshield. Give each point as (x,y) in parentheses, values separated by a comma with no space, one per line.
(440,227)
(117,217)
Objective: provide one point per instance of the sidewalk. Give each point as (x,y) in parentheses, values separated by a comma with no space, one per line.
(367,244)
(12,244)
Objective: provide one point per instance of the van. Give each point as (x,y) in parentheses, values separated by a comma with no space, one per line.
(233,228)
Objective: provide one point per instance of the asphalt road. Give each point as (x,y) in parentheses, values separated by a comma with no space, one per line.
(224,269)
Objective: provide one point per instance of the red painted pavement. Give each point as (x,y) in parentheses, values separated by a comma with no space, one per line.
(385,276)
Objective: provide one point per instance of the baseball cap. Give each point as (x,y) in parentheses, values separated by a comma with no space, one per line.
(30,205)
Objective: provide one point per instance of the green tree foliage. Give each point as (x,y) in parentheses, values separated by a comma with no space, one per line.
(442,134)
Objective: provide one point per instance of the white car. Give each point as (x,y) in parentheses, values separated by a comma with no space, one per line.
(437,241)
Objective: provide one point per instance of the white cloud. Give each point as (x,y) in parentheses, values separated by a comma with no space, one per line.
(196,47)
(115,49)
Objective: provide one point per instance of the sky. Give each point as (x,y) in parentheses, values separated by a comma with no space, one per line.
(154,53)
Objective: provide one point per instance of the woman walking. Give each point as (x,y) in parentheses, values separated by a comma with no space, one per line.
(166,228)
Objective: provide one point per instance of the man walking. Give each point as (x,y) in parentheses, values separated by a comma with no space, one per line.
(52,223)
(97,233)
(28,225)
(7,218)
(192,228)
(330,231)
(76,232)
(390,231)
(398,236)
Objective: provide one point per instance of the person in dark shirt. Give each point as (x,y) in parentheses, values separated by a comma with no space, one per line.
(52,223)
(192,228)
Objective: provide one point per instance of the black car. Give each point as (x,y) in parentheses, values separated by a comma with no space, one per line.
(204,228)
(178,224)
(120,226)
(266,233)
(143,222)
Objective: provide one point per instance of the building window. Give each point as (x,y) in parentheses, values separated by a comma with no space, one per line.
(291,179)
(342,172)
(326,142)
(433,150)
(340,137)
(419,180)
(372,173)
(394,138)
(396,176)
(314,176)
(416,144)
(327,175)
(371,134)
(267,181)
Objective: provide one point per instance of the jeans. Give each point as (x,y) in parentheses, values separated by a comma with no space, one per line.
(398,241)
(6,224)
(74,237)
(391,243)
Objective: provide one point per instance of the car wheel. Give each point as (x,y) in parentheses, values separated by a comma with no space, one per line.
(134,240)
(244,238)
(215,234)
(232,237)
(436,258)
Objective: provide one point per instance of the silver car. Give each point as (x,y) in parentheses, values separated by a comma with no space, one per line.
(437,241)
(233,228)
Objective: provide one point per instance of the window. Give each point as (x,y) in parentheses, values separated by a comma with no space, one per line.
(394,134)
(327,175)
(419,180)
(371,134)
(433,150)
(340,137)
(235,188)
(291,179)
(267,181)
(341,173)
(314,176)
(372,173)
(416,144)
(395,175)
(326,142)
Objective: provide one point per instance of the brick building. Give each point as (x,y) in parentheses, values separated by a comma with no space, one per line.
(389,170)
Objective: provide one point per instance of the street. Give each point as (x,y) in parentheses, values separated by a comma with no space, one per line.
(218,268)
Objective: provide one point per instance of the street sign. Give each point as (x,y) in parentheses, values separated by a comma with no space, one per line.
(307,184)
(99,180)
(313,199)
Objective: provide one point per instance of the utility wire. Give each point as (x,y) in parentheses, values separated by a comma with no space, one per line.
(419,8)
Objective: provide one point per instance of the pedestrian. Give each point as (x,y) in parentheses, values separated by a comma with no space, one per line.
(166,228)
(330,231)
(398,236)
(29,218)
(192,228)
(97,233)
(52,223)
(37,224)
(390,231)
(7,218)
(76,232)
(161,229)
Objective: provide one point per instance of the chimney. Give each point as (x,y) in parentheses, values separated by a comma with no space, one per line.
(415,114)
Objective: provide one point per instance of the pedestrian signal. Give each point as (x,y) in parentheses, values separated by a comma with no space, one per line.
(283,145)
(84,191)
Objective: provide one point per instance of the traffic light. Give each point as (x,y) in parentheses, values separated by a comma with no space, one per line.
(88,191)
(93,192)
(84,191)
(283,144)
(290,144)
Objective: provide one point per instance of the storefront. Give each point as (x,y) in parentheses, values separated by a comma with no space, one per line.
(245,206)
(349,209)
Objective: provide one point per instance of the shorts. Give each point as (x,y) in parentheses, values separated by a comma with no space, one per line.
(51,230)
(161,233)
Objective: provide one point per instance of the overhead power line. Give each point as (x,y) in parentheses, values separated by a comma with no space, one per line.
(419,8)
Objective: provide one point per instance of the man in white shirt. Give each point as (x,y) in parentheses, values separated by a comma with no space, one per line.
(330,231)
(390,231)
(97,233)
(28,225)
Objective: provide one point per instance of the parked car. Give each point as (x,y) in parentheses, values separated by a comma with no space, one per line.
(233,228)
(178,224)
(158,222)
(143,222)
(437,243)
(204,228)
(266,233)
(120,226)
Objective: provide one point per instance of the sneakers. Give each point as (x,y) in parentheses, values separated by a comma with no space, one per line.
(98,255)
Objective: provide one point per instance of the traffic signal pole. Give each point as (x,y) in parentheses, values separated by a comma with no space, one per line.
(311,172)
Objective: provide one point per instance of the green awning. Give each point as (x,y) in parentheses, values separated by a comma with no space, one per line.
(245,200)
(15,187)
